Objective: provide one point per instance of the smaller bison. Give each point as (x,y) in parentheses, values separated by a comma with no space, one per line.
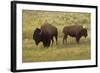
(76,31)
(45,34)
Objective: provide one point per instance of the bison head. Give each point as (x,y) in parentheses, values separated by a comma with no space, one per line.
(37,36)
(84,32)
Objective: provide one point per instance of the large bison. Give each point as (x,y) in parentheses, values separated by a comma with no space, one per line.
(76,31)
(45,34)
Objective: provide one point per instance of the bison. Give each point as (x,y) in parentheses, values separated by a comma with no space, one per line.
(45,34)
(76,31)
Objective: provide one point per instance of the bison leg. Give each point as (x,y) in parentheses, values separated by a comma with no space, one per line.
(56,37)
(77,39)
(65,38)
(46,43)
(52,41)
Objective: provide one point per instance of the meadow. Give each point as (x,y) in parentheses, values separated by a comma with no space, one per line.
(70,51)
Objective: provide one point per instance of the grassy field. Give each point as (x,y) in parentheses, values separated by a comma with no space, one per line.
(69,51)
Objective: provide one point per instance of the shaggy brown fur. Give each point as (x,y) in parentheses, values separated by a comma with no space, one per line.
(45,34)
(76,31)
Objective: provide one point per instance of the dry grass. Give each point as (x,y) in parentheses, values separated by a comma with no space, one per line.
(69,51)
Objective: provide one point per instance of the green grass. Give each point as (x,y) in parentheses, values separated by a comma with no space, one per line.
(68,51)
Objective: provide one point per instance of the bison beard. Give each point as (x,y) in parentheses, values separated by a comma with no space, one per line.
(76,31)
